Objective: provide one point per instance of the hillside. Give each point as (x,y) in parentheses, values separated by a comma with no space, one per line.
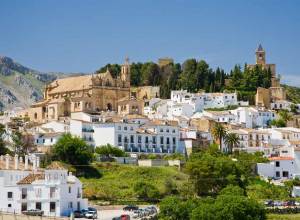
(117,182)
(293,93)
(20,86)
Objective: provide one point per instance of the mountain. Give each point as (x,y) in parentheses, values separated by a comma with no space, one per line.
(21,86)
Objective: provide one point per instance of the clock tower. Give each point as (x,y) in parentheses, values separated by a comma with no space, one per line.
(260,55)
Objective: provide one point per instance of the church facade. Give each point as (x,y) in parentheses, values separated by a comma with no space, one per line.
(88,93)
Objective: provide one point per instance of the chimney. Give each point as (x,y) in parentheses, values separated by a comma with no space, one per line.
(7,161)
(26,162)
(16,162)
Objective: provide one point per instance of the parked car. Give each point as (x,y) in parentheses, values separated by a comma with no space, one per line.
(278,203)
(125,217)
(91,215)
(116,218)
(78,214)
(269,203)
(297,203)
(151,209)
(92,209)
(130,208)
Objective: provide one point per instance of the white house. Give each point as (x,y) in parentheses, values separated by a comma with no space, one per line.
(278,168)
(25,186)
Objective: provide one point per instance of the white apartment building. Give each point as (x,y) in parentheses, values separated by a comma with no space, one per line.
(269,140)
(24,186)
(133,133)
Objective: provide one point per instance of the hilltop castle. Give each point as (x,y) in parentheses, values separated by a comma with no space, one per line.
(264,97)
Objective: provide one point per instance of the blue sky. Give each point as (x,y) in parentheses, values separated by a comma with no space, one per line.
(83,35)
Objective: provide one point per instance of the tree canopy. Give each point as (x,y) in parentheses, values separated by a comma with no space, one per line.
(72,150)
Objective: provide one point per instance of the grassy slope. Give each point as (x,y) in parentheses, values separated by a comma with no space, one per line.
(283,217)
(117,181)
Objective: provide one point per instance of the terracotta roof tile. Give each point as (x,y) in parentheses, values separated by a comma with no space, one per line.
(31,178)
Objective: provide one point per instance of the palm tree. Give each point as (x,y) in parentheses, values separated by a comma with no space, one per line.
(231,140)
(219,132)
(285,115)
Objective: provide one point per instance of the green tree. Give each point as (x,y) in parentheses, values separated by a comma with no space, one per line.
(230,207)
(211,173)
(72,150)
(188,77)
(285,115)
(110,151)
(219,132)
(114,69)
(146,191)
(135,74)
(231,140)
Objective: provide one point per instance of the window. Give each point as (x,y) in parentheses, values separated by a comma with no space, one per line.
(70,205)
(139,139)
(38,205)
(51,140)
(161,130)
(146,140)
(277,164)
(277,174)
(174,140)
(285,174)
(161,140)
(24,193)
(52,206)
(154,140)
(9,195)
(119,138)
(167,130)
(125,128)
(24,206)
(168,140)
(9,205)
(131,139)
(70,190)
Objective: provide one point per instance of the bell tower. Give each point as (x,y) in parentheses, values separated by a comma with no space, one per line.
(125,72)
(260,55)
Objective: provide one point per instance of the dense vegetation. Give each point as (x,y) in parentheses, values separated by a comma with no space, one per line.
(196,75)
(221,186)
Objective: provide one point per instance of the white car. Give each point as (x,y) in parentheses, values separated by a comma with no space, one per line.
(91,215)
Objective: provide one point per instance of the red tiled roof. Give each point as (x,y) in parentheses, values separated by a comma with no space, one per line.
(281,158)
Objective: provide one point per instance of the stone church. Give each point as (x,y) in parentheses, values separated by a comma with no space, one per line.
(264,97)
(88,93)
